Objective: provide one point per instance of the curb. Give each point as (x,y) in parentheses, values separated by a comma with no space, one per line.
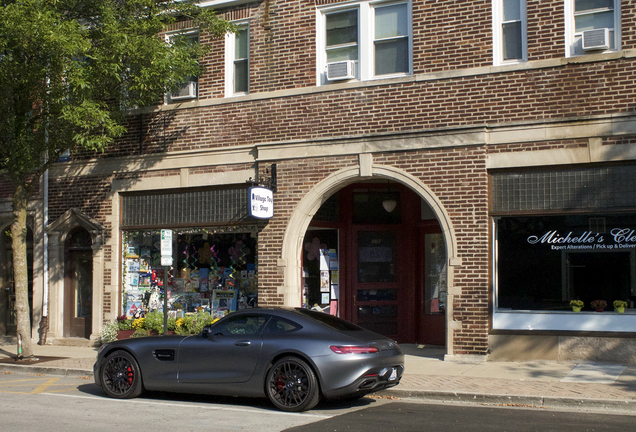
(619,406)
(37,370)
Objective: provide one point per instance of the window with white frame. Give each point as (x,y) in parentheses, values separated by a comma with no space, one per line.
(364,41)
(592,26)
(237,62)
(509,31)
(189,88)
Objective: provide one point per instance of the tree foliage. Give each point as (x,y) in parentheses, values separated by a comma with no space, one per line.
(69,70)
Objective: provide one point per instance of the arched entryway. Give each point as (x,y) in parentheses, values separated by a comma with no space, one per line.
(410,269)
(78,284)
(76,277)
(374,254)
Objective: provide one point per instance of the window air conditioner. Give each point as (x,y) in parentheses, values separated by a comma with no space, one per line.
(187,90)
(340,70)
(596,39)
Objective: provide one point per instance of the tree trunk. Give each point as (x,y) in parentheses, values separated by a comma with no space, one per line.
(20,268)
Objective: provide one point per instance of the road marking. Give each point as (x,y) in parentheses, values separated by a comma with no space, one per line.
(42,388)
(186,405)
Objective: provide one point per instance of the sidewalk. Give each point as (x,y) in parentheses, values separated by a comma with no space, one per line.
(585,386)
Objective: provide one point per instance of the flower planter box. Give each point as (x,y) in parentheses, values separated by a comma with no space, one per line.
(124,334)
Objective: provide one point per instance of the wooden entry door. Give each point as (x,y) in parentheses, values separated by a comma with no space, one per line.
(378,289)
(78,295)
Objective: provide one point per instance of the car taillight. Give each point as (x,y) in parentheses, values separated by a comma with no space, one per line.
(353,349)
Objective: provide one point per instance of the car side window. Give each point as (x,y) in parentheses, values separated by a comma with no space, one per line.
(281,325)
(240,325)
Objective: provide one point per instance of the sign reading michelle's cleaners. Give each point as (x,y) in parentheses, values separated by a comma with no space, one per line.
(261,202)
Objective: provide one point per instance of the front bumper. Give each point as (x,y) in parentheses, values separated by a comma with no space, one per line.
(96,374)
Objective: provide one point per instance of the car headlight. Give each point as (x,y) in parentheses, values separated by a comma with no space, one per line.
(101,348)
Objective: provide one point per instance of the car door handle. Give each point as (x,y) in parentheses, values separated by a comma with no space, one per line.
(242,343)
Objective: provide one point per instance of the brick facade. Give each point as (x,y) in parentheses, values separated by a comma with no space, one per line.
(450,122)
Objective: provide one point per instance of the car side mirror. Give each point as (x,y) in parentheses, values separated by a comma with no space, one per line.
(206,331)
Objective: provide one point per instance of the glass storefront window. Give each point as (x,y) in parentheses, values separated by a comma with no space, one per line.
(321,273)
(435,272)
(213,271)
(543,262)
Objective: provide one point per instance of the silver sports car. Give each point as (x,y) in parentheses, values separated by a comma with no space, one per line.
(292,356)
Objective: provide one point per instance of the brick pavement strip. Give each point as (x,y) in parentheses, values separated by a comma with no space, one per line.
(616,391)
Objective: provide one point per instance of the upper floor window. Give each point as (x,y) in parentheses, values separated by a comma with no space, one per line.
(509,31)
(237,61)
(189,89)
(365,41)
(592,26)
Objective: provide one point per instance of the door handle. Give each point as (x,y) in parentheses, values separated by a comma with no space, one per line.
(242,343)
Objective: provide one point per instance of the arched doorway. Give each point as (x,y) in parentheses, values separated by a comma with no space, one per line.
(374,254)
(78,284)
(302,215)
(8,316)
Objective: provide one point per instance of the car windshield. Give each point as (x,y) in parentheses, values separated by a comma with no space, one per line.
(330,320)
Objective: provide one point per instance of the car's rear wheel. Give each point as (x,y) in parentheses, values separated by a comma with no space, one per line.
(121,377)
(292,385)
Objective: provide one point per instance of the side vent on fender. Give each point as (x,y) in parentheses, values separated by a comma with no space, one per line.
(164,354)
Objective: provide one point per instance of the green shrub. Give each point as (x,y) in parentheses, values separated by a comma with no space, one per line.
(140,332)
(154,322)
(124,323)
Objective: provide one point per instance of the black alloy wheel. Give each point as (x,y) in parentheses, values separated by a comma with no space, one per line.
(292,385)
(121,378)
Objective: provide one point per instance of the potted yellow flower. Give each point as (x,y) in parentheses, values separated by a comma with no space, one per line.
(576,305)
(620,305)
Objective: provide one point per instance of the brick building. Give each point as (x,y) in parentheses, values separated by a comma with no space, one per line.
(446,173)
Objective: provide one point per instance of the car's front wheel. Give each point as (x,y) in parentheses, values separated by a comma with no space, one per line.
(121,377)
(292,385)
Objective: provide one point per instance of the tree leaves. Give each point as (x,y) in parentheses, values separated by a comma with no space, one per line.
(70,70)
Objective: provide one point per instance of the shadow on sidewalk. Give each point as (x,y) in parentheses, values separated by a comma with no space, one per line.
(435,352)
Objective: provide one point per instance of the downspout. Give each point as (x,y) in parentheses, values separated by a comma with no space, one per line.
(44,323)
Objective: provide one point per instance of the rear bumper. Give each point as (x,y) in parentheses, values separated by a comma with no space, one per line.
(373,380)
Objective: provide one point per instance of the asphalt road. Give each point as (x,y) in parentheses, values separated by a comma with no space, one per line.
(66,404)
(418,417)
(63,404)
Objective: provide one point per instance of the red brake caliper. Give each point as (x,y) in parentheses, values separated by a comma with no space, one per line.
(130,375)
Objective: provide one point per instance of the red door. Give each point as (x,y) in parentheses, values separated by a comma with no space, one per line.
(378,291)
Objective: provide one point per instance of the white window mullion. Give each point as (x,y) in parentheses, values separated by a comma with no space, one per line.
(366,42)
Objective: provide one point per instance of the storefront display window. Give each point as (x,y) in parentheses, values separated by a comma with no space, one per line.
(321,275)
(213,271)
(435,272)
(544,262)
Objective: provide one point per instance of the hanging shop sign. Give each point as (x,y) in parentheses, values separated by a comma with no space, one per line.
(261,202)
